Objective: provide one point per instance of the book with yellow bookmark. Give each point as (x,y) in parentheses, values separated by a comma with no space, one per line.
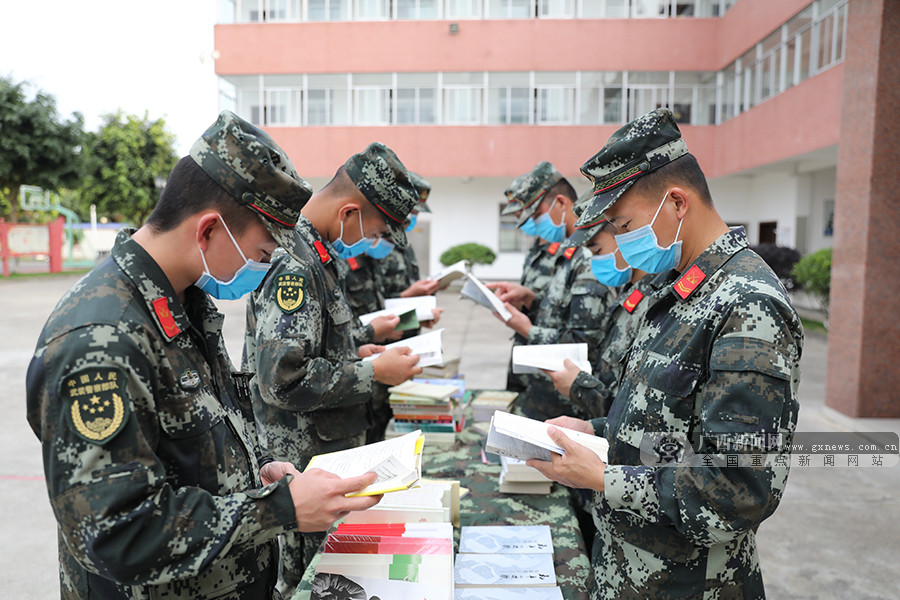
(397,462)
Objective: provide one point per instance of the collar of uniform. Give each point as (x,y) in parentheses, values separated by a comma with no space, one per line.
(710,260)
(309,234)
(154,286)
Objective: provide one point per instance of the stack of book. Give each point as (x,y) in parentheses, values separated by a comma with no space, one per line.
(518,478)
(448,367)
(487,401)
(395,560)
(518,559)
(424,406)
(433,501)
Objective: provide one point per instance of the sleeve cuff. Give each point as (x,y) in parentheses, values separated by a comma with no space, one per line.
(365,375)
(631,489)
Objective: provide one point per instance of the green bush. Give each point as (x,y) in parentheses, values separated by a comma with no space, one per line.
(470,252)
(813,273)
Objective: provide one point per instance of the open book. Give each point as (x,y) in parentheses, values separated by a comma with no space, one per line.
(451,273)
(408,318)
(427,346)
(423,305)
(523,438)
(397,462)
(532,359)
(477,291)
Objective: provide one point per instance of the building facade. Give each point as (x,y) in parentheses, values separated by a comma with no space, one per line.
(472,93)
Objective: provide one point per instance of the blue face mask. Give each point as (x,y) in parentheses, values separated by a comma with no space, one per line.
(345,251)
(245,280)
(528,227)
(606,272)
(380,249)
(641,249)
(412,223)
(548,230)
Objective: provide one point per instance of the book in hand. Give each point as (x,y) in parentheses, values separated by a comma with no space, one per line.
(449,274)
(408,318)
(549,357)
(397,462)
(427,346)
(478,292)
(423,305)
(508,593)
(478,570)
(523,438)
(505,539)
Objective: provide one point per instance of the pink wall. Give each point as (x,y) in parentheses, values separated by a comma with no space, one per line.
(749,22)
(491,45)
(440,151)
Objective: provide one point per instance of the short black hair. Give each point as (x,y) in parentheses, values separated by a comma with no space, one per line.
(684,170)
(188,191)
(563,187)
(341,184)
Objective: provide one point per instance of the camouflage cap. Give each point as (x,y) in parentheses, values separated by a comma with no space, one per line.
(524,194)
(583,203)
(385,182)
(252,167)
(636,149)
(424,189)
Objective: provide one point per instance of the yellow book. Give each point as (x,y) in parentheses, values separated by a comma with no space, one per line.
(397,462)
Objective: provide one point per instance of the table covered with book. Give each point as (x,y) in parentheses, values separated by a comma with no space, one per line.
(484,504)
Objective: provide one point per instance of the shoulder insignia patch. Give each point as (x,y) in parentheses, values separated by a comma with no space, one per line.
(633,299)
(161,308)
(552,248)
(688,282)
(322,251)
(354,264)
(569,252)
(99,403)
(289,292)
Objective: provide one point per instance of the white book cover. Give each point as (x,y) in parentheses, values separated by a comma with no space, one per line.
(508,593)
(505,539)
(424,306)
(477,291)
(549,357)
(427,346)
(332,586)
(523,438)
(450,273)
(504,570)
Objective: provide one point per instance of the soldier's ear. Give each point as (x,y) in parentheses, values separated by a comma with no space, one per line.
(682,199)
(206,224)
(349,209)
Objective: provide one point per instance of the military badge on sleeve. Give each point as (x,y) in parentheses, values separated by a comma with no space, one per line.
(98,402)
(289,292)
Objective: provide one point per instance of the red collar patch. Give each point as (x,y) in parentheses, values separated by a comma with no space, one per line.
(354,264)
(552,248)
(570,251)
(633,299)
(688,282)
(323,253)
(164,315)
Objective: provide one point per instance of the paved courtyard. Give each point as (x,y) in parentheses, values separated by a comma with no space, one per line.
(833,537)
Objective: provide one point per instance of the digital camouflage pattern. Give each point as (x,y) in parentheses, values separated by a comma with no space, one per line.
(640,147)
(311,393)
(718,353)
(378,173)
(525,193)
(423,188)
(252,167)
(362,293)
(397,271)
(574,308)
(592,394)
(150,451)
(485,505)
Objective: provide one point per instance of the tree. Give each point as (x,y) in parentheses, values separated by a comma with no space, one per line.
(813,273)
(124,161)
(471,252)
(36,147)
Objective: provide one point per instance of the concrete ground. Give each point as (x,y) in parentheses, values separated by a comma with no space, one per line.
(833,537)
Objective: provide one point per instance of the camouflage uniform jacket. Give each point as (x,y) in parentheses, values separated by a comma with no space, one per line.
(592,394)
(717,355)
(362,292)
(574,308)
(397,271)
(311,393)
(150,451)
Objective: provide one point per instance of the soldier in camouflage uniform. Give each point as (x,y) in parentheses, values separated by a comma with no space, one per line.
(717,358)
(312,393)
(155,474)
